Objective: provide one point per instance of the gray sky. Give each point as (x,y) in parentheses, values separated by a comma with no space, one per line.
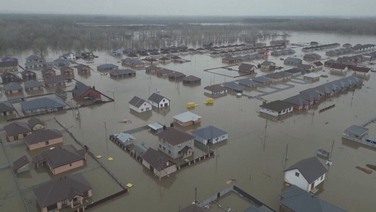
(195,7)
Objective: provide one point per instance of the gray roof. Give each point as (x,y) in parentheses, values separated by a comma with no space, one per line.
(174,136)
(247,82)
(34,63)
(299,200)
(304,66)
(66,187)
(16,128)
(261,79)
(152,67)
(46,69)
(156,159)
(124,138)
(139,150)
(12,86)
(8,63)
(156,98)
(59,156)
(233,85)
(34,121)
(60,91)
(122,72)
(80,66)
(297,100)
(80,88)
(246,67)
(357,130)
(311,168)
(61,61)
(277,105)
(33,57)
(267,62)
(16,98)
(45,102)
(192,208)
(55,79)
(20,162)
(42,135)
(6,106)
(136,101)
(32,84)
(293,60)
(215,88)
(106,66)
(295,70)
(208,132)
(27,71)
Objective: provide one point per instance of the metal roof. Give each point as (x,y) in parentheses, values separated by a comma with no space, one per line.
(106,66)
(16,128)
(124,137)
(357,130)
(187,116)
(174,136)
(12,86)
(156,98)
(60,156)
(155,126)
(136,101)
(277,105)
(233,86)
(32,84)
(45,102)
(310,168)
(208,132)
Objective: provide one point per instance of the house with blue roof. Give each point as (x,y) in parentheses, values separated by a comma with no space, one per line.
(209,134)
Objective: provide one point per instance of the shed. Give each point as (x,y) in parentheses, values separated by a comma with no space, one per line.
(155,127)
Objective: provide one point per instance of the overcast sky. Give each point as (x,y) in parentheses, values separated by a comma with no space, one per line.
(195,7)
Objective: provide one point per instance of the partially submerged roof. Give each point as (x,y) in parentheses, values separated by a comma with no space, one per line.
(357,130)
(34,121)
(55,79)
(124,137)
(261,79)
(42,135)
(156,159)
(12,86)
(44,102)
(106,66)
(191,78)
(6,106)
(311,75)
(297,100)
(156,126)
(174,136)
(310,168)
(59,156)
(215,88)
(293,59)
(247,82)
(187,116)
(33,84)
(233,86)
(277,105)
(16,128)
(20,162)
(67,187)
(208,132)
(136,101)
(299,200)
(156,98)
(192,208)
(80,88)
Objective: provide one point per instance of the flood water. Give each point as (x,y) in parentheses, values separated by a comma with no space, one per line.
(257,168)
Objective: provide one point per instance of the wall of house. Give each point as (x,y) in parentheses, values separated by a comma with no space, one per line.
(43,143)
(20,136)
(163,102)
(177,148)
(68,167)
(219,139)
(267,111)
(13,91)
(166,171)
(201,140)
(7,113)
(300,181)
(319,180)
(188,123)
(143,108)
(146,164)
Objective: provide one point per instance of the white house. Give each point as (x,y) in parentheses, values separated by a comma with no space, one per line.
(139,105)
(209,134)
(69,56)
(276,108)
(307,174)
(158,101)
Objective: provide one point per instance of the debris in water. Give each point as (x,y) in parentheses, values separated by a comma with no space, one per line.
(371,166)
(326,122)
(367,171)
(230,181)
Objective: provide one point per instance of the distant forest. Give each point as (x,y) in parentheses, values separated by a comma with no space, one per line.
(78,32)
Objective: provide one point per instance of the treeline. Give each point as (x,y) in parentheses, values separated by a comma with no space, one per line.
(356,26)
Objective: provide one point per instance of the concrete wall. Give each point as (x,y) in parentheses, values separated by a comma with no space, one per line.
(68,167)
(299,181)
(43,143)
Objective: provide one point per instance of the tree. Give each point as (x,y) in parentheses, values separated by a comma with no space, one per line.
(40,47)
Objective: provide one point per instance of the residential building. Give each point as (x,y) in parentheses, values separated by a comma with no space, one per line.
(187,118)
(60,93)
(338,69)
(67,72)
(215,90)
(158,101)
(34,58)
(230,60)
(61,159)
(152,69)
(139,105)
(8,77)
(9,66)
(247,68)
(311,57)
(21,165)
(164,72)
(262,80)
(307,174)
(59,62)
(164,60)
(295,199)
(121,73)
(248,83)
(48,71)
(32,65)
(209,134)
(176,76)
(87,55)
(67,191)
(307,68)
(12,88)
(233,86)
(268,65)
(69,56)
(54,81)
(84,92)
(292,61)
(276,108)
(158,163)
(83,69)
(17,130)
(107,67)
(122,139)
(43,105)
(35,124)
(32,85)
(175,143)
(298,102)
(7,109)
(43,138)
(28,75)
(317,65)
(191,80)
(313,77)
(279,76)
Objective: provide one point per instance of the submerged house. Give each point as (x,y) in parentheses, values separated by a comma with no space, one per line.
(292,61)
(122,139)
(85,92)
(8,77)
(121,73)
(247,68)
(215,90)
(32,85)
(139,105)
(276,108)
(306,174)
(35,124)
(67,191)
(152,69)
(17,130)
(233,86)
(107,67)
(83,69)
(54,81)
(43,138)
(21,165)
(12,88)
(7,109)
(157,163)
(158,101)
(209,134)
(268,65)
(298,102)
(48,71)
(175,143)
(67,71)
(191,80)
(186,119)
(43,105)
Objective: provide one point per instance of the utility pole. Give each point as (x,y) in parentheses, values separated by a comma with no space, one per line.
(196,196)
(105,130)
(331,151)
(352,97)
(265,133)
(287,151)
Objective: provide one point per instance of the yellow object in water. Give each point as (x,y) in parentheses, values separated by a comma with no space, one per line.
(191,105)
(110,159)
(209,101)
(99,156)
(129,185)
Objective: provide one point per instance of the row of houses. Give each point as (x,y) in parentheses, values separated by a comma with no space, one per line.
(248,57)
(309,97)
(282,52)
(341,68)
(320,47)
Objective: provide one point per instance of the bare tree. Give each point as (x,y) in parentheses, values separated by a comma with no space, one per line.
(40,47)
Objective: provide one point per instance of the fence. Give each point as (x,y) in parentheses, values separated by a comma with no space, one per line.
(249,197)
(196,160)
(101,201)
(216,196)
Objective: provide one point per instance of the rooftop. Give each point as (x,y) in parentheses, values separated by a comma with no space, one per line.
(156,98)
(44,102)
(42,135)
(12,86)
(136,101)
(208,132)
(310,168)
(357,130)
(277,105)
(156,159)
(16,128)
(215,88)
(174,136)
(187,116)
(59,156)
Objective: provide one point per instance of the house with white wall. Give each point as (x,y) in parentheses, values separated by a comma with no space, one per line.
(276,108)
(139,105)
(307,174)
(158,101)
(209,134)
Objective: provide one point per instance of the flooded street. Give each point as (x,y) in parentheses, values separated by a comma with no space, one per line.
(257,168)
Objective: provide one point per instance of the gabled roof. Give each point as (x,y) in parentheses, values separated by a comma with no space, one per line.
(80,66)
(45,102)
(277,105)
(187,116)
(247,82)
(299,200)
(124,137)
(293,59)
(12,86)
(32,84)
(317,63)
(33,57)
(67,187)
(60,91)
(296,100)
(191,78)
(27,71)
(65,68)
(44,70)
(157,160)
(106,66)
(121,72)
(80,88)
(176,74)
(233,85)
(16,128)
(246,66)
(6,106)
(261,79)
(361,69)
(42,135)
(136,101)
(208,132)
(61,61)
(10,73)
(156,98)
(295,70)
(152,67)
(174,136)
(55,79)
(59,156)
(8,64)
(310,168)
(304,66)
(338,66)
(266,62)
(215,88)
(357,130)
(34,121)
(20,162)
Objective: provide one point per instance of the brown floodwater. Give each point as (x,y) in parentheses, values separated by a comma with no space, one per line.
(257,168)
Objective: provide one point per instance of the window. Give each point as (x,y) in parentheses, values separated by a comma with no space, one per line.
(164,148)
(297,174)
(160,146)
(70,164)
(47,143)
(179,145)
(169,152)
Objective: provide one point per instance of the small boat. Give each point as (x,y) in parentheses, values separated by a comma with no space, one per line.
(323,153)
(367,171)
(329,162)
